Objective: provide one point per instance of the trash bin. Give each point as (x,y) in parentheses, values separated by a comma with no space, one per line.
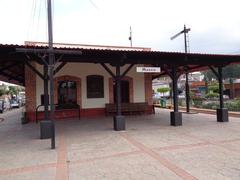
(163,103)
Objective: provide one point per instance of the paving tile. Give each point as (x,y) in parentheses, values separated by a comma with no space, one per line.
(138,166)
(48,174)
(89,148)
(207,162)
(100,144)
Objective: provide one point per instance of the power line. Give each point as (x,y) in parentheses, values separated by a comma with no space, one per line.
(94,4)
(31,18)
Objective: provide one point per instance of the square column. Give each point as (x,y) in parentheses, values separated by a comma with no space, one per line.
(118,120)
(222,113)
(176,117)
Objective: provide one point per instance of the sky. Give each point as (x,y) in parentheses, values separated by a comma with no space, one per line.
(215,24)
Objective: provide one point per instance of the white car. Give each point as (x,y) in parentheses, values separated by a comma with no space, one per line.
(14,103)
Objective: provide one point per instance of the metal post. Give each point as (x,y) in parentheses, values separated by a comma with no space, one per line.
(46,99)
(175,89)
(185,38)
(187,84)
(118,91)
(51,71)
(222,113)
(220,79)
(176,117)
(187,94)
(119,121)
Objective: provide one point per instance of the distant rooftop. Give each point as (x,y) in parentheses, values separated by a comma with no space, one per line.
(87,46)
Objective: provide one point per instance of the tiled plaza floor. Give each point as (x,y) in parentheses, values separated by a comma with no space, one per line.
(149,149)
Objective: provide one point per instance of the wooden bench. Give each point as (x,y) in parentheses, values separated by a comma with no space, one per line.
(127,108)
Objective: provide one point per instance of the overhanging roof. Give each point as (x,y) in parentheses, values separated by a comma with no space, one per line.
(194,61)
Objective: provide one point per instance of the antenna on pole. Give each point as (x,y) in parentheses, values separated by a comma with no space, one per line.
(130,37)
(185,32)
(186,48)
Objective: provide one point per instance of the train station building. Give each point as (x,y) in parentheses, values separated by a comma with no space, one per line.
(101,80)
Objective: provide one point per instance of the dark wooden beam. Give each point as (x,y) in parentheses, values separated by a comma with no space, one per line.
(214,72)
(108,70)
(9,66)
(127,70)
(9,76)
(47,51)
(168,72)
(59,67)
(34,70)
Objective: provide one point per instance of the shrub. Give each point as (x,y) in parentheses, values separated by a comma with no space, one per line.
(212,95)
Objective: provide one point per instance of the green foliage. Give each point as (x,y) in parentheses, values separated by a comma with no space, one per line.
(163,90)
(13,90)
(2,92)
(213,88)
(197,102)
(208,75)
(212,95)
(211,105)
(231,71)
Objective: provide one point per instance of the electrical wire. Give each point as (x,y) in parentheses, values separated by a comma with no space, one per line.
(94,4)
(31,19)
(38,19)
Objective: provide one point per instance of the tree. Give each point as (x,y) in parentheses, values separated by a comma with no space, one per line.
(13,90)
(231,71)
(214,88)
(2,92)
(163,90)
(3,89)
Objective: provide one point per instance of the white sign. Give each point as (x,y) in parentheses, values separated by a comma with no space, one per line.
(149,69)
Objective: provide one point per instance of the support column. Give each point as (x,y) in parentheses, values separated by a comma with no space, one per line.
(46,124)
(176,117)
(52,108)
(187,94)
(46,98)
(222,113)
(119,120)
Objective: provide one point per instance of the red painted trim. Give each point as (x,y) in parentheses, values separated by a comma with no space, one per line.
(73,113)
(68,113)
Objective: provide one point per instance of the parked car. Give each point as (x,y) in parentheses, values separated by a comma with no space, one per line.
(4,105)
(14,103)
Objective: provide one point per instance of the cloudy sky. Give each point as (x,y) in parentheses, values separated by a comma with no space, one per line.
(215,24)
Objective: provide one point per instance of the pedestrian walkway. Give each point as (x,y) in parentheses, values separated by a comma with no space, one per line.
(149,149)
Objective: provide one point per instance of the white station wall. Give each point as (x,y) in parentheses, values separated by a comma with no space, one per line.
(82,70)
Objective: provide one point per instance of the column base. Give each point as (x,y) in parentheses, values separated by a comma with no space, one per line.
(119,123)
(222,115)
(46,129)
(176,118)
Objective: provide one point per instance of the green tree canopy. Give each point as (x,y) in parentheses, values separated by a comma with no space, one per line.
(163,89)
(13,90)
(213,88)
(2,92)
(231,71)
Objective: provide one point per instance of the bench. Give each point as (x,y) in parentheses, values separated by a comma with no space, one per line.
(127,108)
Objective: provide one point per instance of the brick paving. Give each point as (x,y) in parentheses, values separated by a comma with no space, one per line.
(149,149)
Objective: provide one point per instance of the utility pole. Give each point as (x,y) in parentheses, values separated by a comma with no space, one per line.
(130,37)
(51,64)
(185,32)
(47,126)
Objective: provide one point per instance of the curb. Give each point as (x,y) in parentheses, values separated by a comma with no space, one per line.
(205,111)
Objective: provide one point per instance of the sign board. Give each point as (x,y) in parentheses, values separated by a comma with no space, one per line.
(149,69)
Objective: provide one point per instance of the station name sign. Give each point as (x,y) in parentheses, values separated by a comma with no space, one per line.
(149,69)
